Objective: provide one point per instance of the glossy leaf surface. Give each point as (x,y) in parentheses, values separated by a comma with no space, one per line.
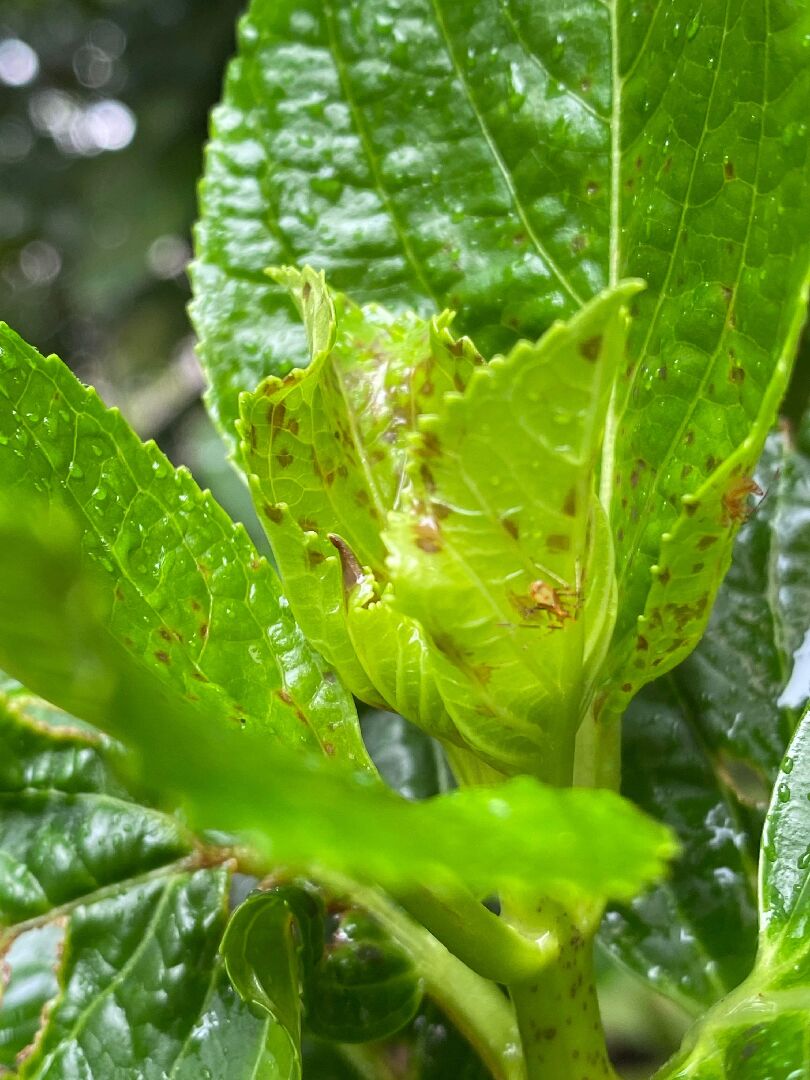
(365,987)
(187,594)
(702,748)
(305,811)
(761,1029)
(110,917)
(271,942)
(348,135)
(607,142)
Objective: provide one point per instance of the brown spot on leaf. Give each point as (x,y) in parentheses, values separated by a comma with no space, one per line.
(273,513)
(558,542)
(642,643)
(306,290)
(483,673)
(292,427)
(511,527)
(204,630)
(163,657)
(198,675)
(570,503)
(706,542)
(664,576)
(427,535)
(737,375)
(728,170)
(276,414)
(352,573)
(285,459)
(315,558)
(427,477)
(591,348)
(662,373)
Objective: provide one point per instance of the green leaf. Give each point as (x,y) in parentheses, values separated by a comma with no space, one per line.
(271,941)
(327,452)
(409,761)
(187,593)
(109,957)
(500,550)
(510,163)
(299,810)
(366,986)
(702,747)
(487,598)
(603,143)
(761,1029)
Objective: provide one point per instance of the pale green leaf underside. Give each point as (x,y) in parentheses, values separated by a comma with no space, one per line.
(187,594)
(303,811)
(761,1029)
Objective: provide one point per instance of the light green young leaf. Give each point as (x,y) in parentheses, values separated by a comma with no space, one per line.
(187,594)
(299,810)
(493,550)
(101,897)
(761,1029)
(483,610)
(327,451)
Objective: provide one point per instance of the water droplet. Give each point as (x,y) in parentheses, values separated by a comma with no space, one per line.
(804,860)
(3,440)
(783,793)
(75,470)
(693,27)
(100,494)
(787,765)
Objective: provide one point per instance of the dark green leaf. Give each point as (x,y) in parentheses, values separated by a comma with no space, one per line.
(409,761)
(112,971)
(28,983)
(187,594)
(271,942)
(761,1029)
(304,811)
(702,748)
(365,987)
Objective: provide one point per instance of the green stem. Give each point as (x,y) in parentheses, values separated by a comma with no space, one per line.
(558,1012)
(598,753)
(475,1005)
(481,940)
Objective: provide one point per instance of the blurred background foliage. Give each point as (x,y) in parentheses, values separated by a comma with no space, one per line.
(103,118)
